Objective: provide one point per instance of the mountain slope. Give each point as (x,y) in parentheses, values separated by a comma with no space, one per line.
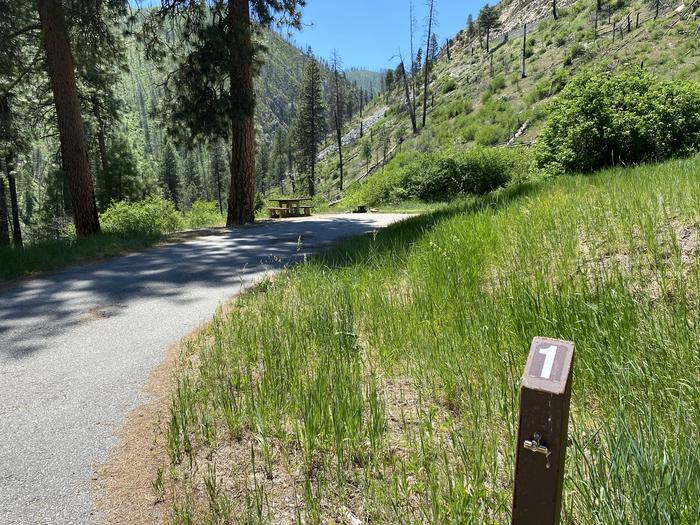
(477,97)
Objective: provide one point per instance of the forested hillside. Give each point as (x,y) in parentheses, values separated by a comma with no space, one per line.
(137,146)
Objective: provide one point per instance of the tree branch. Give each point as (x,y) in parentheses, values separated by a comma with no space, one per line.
(19,32)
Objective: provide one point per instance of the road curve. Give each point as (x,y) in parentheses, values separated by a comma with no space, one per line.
(76,347)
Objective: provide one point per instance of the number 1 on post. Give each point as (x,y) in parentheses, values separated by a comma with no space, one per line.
(549,353)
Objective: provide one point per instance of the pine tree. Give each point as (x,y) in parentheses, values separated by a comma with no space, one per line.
(428,59)
(120,178)
(4,216)
(74,151)
(218,72)
(170,174)
(389,79)
(192,182)
(310,124)
(218,173)
(278,160)
(263,168)
(489,21)
(434,48)
(471,27)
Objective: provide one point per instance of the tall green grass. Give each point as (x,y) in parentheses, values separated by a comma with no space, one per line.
(382,378)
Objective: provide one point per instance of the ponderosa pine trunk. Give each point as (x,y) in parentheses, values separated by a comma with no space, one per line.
(4,219)
(241,200)
(74,151)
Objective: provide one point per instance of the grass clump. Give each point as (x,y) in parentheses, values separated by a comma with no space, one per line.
(382,377)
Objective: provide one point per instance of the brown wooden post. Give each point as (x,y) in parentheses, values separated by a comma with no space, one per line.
(545,394)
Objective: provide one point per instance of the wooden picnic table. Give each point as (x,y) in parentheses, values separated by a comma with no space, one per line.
(290,208)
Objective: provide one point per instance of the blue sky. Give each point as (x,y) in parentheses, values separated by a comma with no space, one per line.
(367,33)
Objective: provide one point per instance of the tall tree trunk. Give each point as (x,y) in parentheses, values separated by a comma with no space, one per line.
(74,151)
(312,152)
(362,110)
(16,227)
(339,124)
(524,72)
(414,73)
(427,63)
(339,136)
(241,200)
(411,108)
(4,219)
(554,9)
(102,146)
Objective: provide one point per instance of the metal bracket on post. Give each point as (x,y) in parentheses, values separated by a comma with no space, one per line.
(545,395)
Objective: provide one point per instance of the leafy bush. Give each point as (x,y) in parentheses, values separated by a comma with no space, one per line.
(626,117)
(203,214)
(259,202)
(498,83)
(435,176)
(152,216)
(449,86)
(441,176)
(458,107)
(486,169)
(489,135)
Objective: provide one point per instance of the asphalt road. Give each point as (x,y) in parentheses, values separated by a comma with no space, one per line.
(76,348)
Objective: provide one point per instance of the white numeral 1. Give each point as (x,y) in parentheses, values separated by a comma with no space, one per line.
(548,361)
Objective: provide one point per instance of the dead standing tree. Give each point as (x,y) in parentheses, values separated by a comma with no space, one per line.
(338,109)
(409,104)
(431,5)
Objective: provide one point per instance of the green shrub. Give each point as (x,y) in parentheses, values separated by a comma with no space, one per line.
(259,202)
(449,86)
(441,176)
(459,107)
(152,216)
(434,177)
(203,214)
(626,117)
(498,83)
(483,170)
(489,135)
(469,132)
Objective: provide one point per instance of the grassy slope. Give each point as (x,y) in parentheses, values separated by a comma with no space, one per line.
(472,106)
(383,376)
